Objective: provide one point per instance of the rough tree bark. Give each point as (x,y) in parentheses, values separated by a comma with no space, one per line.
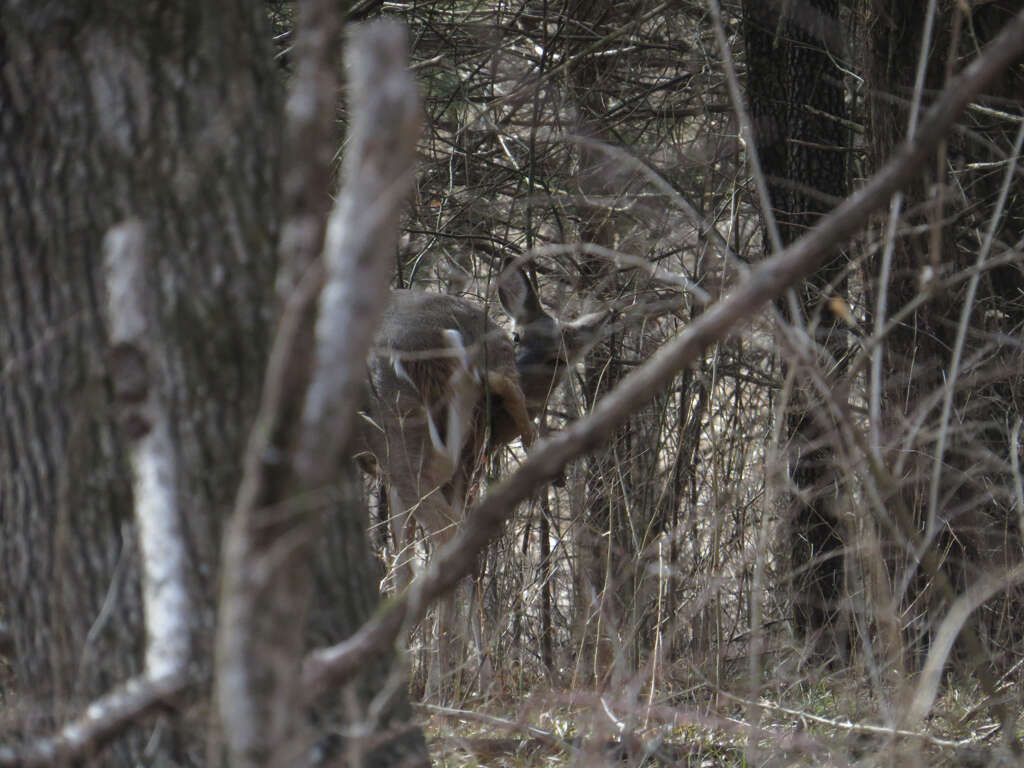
(168,114)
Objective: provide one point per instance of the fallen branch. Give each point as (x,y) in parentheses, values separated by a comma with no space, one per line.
(102,720)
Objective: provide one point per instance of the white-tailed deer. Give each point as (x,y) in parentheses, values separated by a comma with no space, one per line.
(446,384)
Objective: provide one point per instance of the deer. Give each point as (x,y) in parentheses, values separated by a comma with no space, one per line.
(445,385)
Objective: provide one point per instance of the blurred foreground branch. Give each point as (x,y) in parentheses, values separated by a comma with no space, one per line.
(314,378)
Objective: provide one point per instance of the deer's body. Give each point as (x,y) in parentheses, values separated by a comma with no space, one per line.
(445,382)
(442,380)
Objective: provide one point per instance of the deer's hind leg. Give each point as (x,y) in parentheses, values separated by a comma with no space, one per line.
(434,515)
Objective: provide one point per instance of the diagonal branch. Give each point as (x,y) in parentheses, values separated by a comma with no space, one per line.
(102,720)
(327,666)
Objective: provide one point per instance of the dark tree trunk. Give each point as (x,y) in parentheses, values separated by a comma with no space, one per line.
(938,234)
(346,585)
(608,558)
(108,111)
(796,102)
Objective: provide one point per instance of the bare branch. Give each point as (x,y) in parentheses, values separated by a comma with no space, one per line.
(256,721)
(361,238)
(309,142)
(950,628)
(144,419)
(103,719)
(765,283)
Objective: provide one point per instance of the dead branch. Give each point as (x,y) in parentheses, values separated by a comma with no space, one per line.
(102,720)
(135,372)
(328,666)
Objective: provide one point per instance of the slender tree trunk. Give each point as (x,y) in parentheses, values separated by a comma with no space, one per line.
(797,107)
(606,544)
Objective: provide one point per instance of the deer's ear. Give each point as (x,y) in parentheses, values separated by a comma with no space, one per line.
(585,331)
(516,294)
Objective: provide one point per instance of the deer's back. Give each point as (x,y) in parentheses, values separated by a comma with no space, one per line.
(425,339)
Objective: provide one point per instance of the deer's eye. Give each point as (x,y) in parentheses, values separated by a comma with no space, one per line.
(515,339)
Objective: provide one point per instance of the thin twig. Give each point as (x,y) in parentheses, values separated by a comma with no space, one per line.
(765,283)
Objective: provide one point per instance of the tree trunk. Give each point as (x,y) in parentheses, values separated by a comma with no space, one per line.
(346,584)
(937,234)
(607,561)
(796,106)
(97,126)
